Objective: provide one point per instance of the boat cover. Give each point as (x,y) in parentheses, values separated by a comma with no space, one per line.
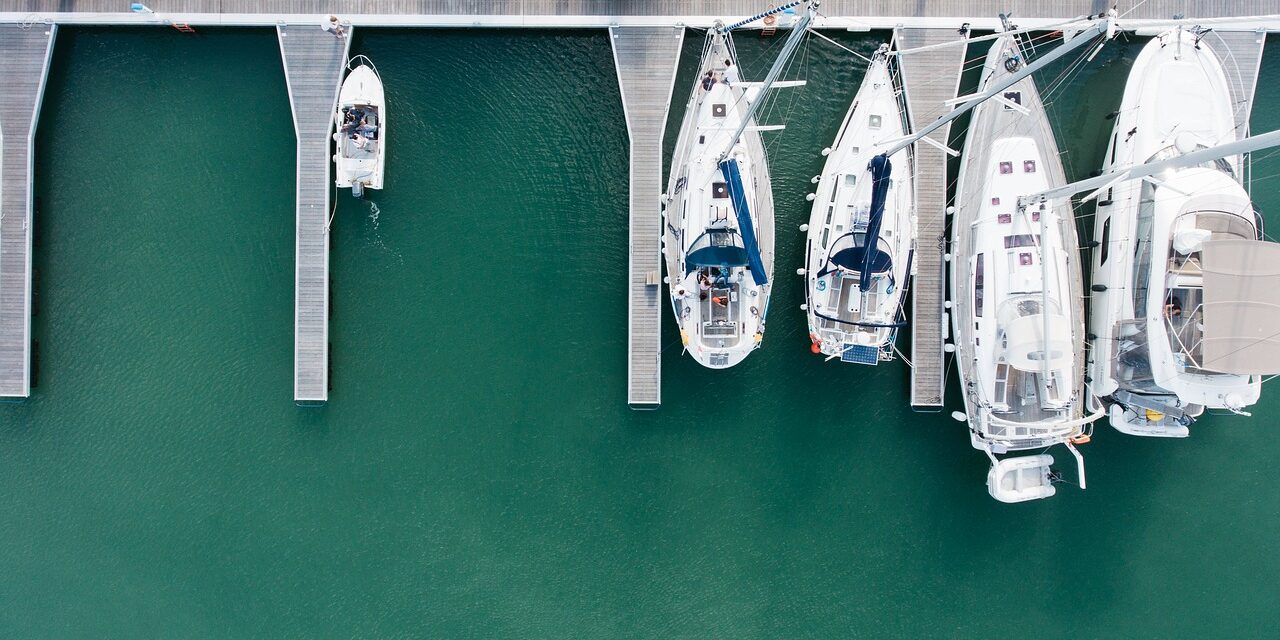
(716,257)
(738,196)
(1027,347)
(881,169)
(851,252)
(1241,306)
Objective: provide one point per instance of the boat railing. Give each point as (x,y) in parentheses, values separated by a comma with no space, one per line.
(1175,331)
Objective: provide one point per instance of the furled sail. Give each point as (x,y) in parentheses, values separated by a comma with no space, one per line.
(881,169)
(738,197)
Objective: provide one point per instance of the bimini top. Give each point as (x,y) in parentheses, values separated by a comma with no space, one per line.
(716,248)
(1241,306)
(1027,350)
(849,251)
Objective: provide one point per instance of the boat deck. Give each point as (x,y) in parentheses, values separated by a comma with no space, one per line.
(26,52)
(930,78)
(1001,135)
(313,65)
(646,60)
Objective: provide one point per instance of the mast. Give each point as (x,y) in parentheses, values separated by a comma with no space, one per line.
(793,41)
(1074,43)
(1247,145)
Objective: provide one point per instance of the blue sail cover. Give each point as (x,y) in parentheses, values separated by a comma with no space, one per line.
(880,168)
(738,196)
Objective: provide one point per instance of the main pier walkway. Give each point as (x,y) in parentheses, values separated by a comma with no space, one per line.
(26,51)
(313,64)
(883,14)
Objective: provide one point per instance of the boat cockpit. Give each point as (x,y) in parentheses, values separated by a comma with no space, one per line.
(1183,303)
(1033,355)
(715,267)
(842,273)
(358,133)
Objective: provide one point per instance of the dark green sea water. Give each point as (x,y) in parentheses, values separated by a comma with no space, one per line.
(476,473)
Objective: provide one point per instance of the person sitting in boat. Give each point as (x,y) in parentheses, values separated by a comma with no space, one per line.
(708,80)
(1174,308)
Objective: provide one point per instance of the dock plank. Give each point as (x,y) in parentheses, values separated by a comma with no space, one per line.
(673,9)
(313,64)
(26,52)
(1241,56)
(646,59)
(929,78)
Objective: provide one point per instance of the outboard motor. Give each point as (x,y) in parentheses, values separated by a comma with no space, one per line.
(357,189)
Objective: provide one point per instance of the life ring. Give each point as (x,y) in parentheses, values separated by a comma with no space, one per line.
(770,20)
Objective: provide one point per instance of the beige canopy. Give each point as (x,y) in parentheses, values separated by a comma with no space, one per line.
(1241,306)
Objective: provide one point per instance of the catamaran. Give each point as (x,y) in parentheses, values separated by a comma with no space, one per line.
(361,129)
(1016,286)
(862,230)
(1182,320)
(718,210)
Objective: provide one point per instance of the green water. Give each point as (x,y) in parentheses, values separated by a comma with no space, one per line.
(476,473)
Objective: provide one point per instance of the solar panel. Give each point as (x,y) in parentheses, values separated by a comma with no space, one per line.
(860,354)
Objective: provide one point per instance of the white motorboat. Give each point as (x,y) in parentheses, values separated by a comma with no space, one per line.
(862,230)
(361,125)
(718,227)
(1181,318)
(1016,287)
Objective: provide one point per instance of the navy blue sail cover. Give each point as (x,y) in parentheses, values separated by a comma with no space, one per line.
(716,248)
(866,260)
(738,196)
(881,169)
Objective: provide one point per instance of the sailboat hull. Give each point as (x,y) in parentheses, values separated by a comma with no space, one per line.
(845,321)
(719,297)
(1016,287)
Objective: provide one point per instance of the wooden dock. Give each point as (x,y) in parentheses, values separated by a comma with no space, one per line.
(929,79)
(26,51)
(1241,56)
(885,14)
(646,59)
(313,64)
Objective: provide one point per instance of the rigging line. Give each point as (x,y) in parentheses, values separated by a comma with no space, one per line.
(802,60)
(966,41)
(775,103)
(902,355)
(1133,8)
(820,35)
(970,64)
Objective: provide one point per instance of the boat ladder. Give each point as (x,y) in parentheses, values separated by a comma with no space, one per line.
(184,27)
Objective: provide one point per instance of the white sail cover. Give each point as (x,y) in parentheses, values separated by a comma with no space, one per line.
(1241,306)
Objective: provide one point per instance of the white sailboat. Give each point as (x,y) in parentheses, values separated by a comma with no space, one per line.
(1180,319)
(1016,287)
(361,129)
(718,227)
(862,230)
